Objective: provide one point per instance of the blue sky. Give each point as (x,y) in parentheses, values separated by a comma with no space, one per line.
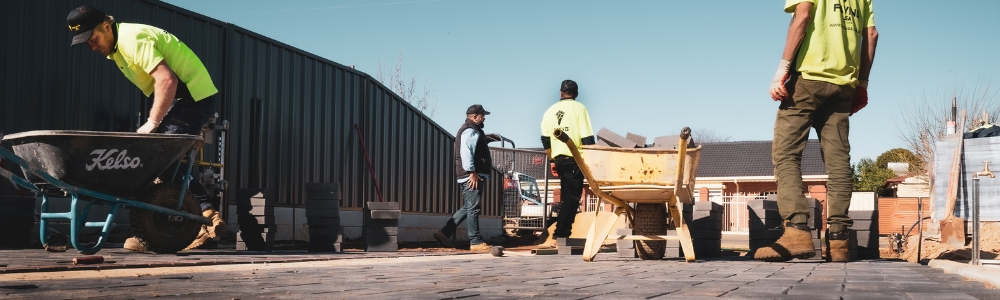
(647,67)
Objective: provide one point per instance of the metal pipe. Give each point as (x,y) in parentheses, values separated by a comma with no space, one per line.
(975,211)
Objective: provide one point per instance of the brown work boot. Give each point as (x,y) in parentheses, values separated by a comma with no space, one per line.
(837,247)
(444,239)
(203,236)
(796,242)
(134,244)
(481,247)
(218,226)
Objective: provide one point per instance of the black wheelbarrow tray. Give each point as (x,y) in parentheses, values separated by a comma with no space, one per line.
(116,169)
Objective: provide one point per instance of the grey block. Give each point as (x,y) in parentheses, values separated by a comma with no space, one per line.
(321,203)
(706,234)
(635,138)
(760,234)
(865,225)
(762,204)
(625,244)
(571,242)
(383,223)
(381,244)
(267,237)
(765,224)
(764,214)
(385,214)
(866,239)
(667,142)
(707,206)
(623,231)
(330,195)
(322,187)
(263,219)
(382,230)
(705,224)
(627,252)
(262,210)
(672,252)
(569,250)
(322,212)
(331,229)
(863,215)
(382,205)
(326,238)
(614,139)
(243,246)
(702,214)
(323,221)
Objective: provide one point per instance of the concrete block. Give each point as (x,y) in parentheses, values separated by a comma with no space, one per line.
(707,206)
(637,139)
(705,224)
(326,238)
(323,221)
(385,214)
(385,231)
(764,214)
(569,250)
(381,243)
(325,247)
(762,204)
(625,244)
(765,234)
(327,195)
(673,252)
(321,203)
(667,142)
(322,187)
(574,242)
(614,139)
(322,212)
(627,252)
(863,215)
(706,234)
(383,223)
(382,205)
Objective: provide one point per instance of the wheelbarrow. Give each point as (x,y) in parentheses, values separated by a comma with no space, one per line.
(116,169)
(638,182)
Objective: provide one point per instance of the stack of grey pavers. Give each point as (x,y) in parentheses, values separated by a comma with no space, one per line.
(570,246)
(864,234)
(766,224)
(704,220)
(381,226)
(323,217)
(257,227)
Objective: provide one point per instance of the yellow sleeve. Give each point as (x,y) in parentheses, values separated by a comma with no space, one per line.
(146,55)
(584,123)
(870,20)
(790,4)
(547,123)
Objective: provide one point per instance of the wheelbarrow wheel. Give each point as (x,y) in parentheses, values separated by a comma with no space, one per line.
(155,231)
(650,219)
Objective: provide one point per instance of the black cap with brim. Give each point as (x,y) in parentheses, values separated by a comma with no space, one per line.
(476,109)
(81,22)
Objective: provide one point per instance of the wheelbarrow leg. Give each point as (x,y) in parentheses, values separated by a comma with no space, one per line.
(596,235)
(683,234)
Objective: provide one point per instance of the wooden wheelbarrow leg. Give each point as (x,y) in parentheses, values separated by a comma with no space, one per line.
(675,215)
(598,233)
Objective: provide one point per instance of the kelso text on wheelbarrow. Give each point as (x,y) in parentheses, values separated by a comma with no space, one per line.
(103,159)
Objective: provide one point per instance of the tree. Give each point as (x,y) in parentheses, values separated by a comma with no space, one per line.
(924,121)
(708,136)
(901,155)
(869,176)
(405,85)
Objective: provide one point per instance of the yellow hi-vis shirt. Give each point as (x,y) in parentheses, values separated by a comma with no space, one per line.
(831,50)
(141,47)
(570,116)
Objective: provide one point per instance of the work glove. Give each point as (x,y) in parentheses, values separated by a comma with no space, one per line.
(778,91)
(149,127)
(860,97)
(552,168)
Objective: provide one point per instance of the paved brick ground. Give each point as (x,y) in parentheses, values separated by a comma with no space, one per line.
(481,276)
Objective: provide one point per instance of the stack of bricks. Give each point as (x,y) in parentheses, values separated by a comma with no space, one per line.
(766,224)
(381,226)
(257,228)
(704,220)
(323,217)
(626,248)
(863,242)
(570,246)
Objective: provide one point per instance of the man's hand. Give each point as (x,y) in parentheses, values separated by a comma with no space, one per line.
(552,168)
(860,97)
(778,91)
(149,127)
(473,182)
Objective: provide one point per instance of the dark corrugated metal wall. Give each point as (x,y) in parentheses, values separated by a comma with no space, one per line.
(303,128)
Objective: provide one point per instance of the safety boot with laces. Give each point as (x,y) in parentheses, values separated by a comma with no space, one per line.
(837,247)
(795,242)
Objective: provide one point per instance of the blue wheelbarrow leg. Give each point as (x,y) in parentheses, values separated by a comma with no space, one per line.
(77,221)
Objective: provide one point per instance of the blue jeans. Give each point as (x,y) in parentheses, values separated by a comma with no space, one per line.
(470,210)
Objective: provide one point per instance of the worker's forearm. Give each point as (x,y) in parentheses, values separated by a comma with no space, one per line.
(869,40)
(163,98)
(797,30)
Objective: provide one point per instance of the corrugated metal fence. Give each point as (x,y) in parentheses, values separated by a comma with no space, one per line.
(292,112)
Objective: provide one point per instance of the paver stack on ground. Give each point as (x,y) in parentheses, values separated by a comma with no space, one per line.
(864,233)
(655,181)
(257,227)
(705,220)
(381,226)
(323,217)
(766,224)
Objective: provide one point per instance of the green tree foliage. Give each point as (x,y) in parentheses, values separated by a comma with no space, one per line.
(901,155)
(869,176)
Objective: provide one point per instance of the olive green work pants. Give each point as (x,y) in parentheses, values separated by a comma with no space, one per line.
(826,107)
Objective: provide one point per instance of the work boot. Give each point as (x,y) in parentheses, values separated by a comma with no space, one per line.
(444,239)
(837,247)
(481,247)
(218,226)
(134,244)
(203,236)
(796,242)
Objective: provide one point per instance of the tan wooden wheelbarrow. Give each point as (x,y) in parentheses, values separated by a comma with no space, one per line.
(638,182)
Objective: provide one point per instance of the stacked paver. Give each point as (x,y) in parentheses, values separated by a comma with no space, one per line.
(381,220)
(323,217)
(626,248)
(257,227)
(570,246)
(704,220)
(864,234)
(766,224)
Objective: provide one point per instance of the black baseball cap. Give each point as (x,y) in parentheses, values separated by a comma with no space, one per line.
(81,21)
(476,109)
